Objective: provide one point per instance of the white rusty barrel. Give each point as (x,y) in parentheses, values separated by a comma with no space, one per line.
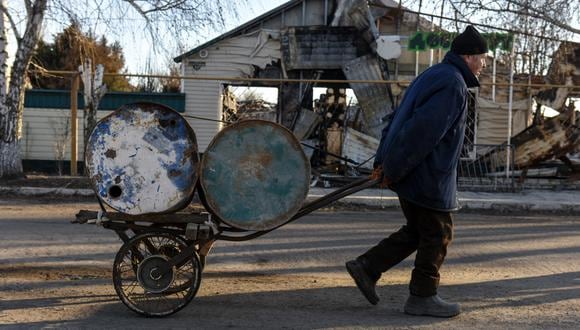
(142,159)
(254,175)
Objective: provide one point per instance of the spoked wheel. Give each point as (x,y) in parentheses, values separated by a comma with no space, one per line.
(143,281)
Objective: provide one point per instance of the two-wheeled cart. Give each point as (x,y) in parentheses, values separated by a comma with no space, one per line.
(158,269)
(252,179)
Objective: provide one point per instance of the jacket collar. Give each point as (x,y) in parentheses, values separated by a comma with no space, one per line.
(456,60)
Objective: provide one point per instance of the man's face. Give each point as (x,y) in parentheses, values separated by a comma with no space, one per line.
(476,63)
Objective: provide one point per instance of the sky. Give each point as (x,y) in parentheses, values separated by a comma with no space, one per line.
(138,50)
(145,54)
(135,61)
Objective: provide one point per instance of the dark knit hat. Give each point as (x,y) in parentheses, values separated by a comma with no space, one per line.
(470,42)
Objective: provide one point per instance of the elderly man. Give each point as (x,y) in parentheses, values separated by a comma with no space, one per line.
(417,158)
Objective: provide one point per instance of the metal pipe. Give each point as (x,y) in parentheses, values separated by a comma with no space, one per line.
(303,12)
(493,75)
(398,31)
(325,12)
(74,124)
(439,51)
(291,80)
(510,109)
(335,195)
(348,160)
(431,49)
(416,64)
(417,29)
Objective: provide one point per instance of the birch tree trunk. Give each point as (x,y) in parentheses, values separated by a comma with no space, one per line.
(12,96)
(93,93)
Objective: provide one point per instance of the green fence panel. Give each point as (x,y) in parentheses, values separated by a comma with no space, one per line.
(60,99)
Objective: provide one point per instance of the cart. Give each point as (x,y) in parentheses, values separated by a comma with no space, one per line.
(158,269)
(166,239)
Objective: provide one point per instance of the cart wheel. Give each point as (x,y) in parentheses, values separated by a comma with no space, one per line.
(144,289)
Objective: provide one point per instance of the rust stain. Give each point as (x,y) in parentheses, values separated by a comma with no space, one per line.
(174,173)
(111,153)
(264,159)
(254,164)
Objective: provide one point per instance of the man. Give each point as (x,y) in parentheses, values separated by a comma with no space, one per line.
(417,158)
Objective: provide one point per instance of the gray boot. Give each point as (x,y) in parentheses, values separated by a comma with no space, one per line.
(431,306)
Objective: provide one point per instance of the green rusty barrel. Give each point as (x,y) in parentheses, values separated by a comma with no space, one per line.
(254,175)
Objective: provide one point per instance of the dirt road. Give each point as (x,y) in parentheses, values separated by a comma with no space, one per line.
(506,271)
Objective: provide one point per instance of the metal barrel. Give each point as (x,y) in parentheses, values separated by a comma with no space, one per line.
(254,175)
(142,159)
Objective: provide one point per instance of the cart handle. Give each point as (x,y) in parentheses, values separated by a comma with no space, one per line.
(349,189)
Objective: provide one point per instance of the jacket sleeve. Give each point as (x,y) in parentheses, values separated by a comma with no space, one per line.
(421,133)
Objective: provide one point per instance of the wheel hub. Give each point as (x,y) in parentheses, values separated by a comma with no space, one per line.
(151,275)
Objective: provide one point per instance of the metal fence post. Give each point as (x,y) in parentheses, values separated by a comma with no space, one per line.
(74,124)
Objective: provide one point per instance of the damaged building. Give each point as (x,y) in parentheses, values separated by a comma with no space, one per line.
(533,138)
(301,40)
(304,44)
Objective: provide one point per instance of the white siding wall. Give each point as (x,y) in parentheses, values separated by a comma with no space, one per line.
(493,120)
(45,129)
(231,58)
(202,99)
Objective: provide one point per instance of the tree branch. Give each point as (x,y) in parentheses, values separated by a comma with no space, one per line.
(139,10)
(542,15)
(517,7)
(11,20)
(167,6)
(28,5)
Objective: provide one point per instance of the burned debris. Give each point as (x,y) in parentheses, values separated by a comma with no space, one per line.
(322,52)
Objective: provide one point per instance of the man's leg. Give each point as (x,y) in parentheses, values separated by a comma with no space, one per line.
(392,250)
(436,233)
(367,268)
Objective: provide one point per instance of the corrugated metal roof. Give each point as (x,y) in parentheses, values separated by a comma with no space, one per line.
(372,97)
(359,147)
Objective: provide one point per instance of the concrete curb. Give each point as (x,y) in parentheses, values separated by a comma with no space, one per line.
(561,202)
(42,192)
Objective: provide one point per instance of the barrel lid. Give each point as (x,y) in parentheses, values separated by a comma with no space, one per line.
(254,175)
(142,159)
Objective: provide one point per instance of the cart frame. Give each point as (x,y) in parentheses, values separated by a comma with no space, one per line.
(163,255)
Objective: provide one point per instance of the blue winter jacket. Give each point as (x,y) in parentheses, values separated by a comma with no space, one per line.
(420,148)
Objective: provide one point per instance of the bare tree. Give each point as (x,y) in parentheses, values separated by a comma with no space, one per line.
(539,24)
(12,90)
(558,13)
(160,81)
(62,133)
(94,90)
(167,24)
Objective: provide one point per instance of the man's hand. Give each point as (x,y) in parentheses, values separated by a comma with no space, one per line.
(378,175)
